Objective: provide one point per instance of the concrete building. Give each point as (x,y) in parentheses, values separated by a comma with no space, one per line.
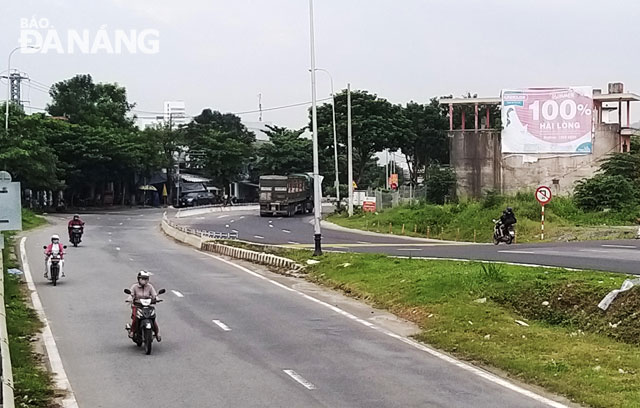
(476,154)
(175,112)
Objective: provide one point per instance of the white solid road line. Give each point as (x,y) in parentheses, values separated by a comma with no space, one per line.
(300,379)
(60,376)
(516,251)
(178,294)
(223,216)
(619,246)
(294,243)
(221,325)
(258,236)
(409,249)
(435,353)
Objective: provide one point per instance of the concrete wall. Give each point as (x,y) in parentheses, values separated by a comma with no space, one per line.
(476,158)
(480,165)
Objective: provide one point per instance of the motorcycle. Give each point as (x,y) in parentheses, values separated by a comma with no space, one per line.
(499,237)
(76,235)
(55,264)
(145,321)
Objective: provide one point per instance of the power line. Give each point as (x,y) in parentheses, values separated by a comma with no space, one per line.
(244,112)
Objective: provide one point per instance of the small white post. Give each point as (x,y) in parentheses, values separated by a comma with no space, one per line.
(542,224)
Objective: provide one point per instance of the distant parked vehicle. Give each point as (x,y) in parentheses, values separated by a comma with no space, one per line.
(197,198)
(286,195)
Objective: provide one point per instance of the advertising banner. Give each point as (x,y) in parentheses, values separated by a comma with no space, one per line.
(547,120)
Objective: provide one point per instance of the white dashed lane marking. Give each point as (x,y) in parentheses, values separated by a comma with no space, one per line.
(178,294)
(221,325)
(300,379)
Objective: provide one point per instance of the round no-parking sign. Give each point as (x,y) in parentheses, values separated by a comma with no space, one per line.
(543,195)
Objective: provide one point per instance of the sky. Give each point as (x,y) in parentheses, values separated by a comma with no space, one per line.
(222,54)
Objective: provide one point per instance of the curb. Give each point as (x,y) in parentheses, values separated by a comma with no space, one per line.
(198,241)
(336,227)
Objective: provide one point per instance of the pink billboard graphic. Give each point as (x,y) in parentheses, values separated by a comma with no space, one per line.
(547,120)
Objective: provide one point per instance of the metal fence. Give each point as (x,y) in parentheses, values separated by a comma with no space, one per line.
(202,233)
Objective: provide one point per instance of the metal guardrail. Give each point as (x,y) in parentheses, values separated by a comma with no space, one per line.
(7,373)
(202,233)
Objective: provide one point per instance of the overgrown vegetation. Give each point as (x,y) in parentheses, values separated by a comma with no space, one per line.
(615,186)
(472,219)
(540,325)
(33,386)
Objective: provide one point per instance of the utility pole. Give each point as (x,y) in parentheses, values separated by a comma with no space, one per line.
(349,150)
(335,137)
(6,114)
(317,196)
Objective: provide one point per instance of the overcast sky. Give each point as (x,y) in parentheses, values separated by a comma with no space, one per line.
(221,54)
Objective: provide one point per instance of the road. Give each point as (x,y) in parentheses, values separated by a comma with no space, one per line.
(231,338)
(616,256)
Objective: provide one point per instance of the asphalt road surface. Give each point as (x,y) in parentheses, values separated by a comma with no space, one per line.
(616,256)
(230,338)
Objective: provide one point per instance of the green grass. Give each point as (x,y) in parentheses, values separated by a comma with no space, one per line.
(33,384)
(470,310)
(472,220)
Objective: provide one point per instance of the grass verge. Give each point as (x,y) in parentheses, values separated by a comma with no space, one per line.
(568,345)
(33,386)
(471,220)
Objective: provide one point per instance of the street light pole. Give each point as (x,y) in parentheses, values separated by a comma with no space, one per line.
(6,113)
(335,137)
(317,195)
(349,151)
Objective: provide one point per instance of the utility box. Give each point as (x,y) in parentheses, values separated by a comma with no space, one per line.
(10,208)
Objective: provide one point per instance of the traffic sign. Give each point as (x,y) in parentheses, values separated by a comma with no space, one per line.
(10,206)
(543,195)
(369,206)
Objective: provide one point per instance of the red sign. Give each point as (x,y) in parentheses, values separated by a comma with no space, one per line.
(543,195)
(369,206)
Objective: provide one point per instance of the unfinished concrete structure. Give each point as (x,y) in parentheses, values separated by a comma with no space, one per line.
(476,154)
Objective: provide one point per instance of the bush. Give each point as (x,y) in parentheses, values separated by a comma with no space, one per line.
(604,191)
(441,183)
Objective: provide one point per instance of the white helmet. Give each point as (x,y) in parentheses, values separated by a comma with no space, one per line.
(143,275)
(55,237)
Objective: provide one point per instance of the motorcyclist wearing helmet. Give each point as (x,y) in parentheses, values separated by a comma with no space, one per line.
(142,289)
(75,221)
(55,241)
(507,219)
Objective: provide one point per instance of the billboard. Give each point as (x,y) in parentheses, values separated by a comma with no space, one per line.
(547,120)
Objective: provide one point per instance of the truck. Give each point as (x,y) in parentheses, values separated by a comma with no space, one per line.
(286,195)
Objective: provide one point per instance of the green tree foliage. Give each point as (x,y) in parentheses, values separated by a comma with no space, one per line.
(441,183)
(376,125)
(605,191)
(84,102)
(286,152)
(425,139)
(25,151)
(615,186)
(222,146)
